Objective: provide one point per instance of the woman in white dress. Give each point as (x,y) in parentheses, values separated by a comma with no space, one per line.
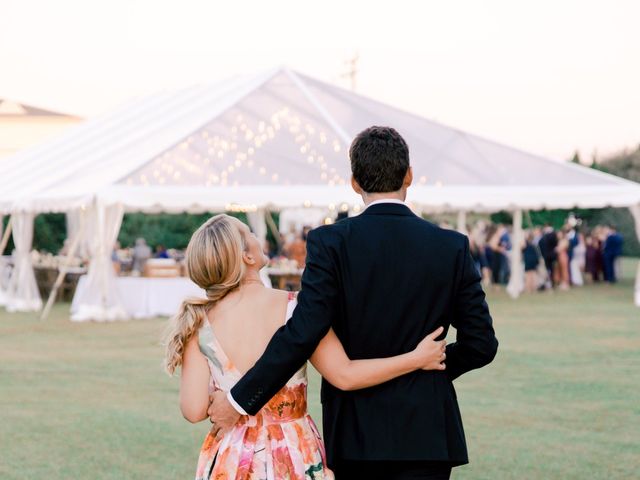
(578,261)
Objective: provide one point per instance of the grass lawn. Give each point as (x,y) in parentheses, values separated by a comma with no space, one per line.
(561,400)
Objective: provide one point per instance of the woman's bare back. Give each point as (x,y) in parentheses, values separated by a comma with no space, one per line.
(245,320)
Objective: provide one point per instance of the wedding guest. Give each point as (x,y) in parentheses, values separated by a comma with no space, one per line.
(141,253)
(562,268)
(572,238)
(592,258)
(531,259)
(578,260)
(611,251)
(505,242)
(161,252)
(548,243)
(537,235)
(279,440)
(297,249)
(115,259)
(498,256)
(488,253)
(474,249)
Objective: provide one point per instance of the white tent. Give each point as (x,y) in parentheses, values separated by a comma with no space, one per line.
(277,140)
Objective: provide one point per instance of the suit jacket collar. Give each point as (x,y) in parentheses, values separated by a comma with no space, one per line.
(388,209)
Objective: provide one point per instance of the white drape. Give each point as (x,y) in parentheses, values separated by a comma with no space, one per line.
(22,292)
(3,270)
(100,300)
(516,280)
(635,212)
(74,224)
(258,225)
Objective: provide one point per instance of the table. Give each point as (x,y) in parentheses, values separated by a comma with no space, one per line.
(144,297)
(285,279)
(46,277)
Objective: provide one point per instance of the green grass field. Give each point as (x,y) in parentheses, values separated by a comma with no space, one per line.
(561,400)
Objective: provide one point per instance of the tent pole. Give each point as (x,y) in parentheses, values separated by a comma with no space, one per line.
(63,271)
(635,212)
(515,286)
(5,237)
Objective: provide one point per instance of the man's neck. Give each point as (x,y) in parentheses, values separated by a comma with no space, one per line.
(369,198)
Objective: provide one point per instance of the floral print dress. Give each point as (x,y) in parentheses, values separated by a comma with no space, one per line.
(280,442)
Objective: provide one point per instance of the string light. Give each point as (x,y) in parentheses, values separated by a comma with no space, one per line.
(197,156)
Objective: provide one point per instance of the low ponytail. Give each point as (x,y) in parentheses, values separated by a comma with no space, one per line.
(182,326)
(214,263)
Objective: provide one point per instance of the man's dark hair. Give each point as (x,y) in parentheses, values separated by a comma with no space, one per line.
(379,159)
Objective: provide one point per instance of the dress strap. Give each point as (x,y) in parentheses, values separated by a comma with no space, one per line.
(291,305)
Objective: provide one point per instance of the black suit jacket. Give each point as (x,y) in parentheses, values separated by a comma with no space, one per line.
(383,280)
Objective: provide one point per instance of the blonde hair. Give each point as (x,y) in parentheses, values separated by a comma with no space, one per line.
(214,263)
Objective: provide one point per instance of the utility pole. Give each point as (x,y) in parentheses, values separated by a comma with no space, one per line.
(352,70)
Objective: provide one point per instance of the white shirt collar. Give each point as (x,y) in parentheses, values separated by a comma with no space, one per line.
(386,200)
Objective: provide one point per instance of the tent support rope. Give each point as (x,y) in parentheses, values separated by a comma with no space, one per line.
(272,226)
(5,236)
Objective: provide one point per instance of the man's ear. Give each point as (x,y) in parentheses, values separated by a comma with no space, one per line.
(408,178)
(356,186)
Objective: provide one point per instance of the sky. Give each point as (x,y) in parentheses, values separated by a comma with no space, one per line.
(549,77)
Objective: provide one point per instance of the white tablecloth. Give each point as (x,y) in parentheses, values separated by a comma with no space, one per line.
(151,297)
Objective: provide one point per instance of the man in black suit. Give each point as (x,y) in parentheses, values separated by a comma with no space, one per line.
(548,244)
(383,280)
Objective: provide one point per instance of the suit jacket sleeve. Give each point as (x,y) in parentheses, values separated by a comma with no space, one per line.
(293,344)
(476,344)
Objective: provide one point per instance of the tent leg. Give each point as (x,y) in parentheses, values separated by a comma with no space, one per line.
(635,212)
(63,272)
(516,282)
(5,237)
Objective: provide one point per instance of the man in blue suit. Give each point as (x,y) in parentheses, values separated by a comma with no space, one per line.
(611,251)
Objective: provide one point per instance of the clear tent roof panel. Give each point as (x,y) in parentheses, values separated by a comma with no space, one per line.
(241,140)
(274,135)
(441,155)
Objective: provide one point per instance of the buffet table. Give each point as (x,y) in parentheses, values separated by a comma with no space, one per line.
(144,297)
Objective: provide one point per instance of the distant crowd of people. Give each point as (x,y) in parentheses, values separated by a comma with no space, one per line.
(552,258)
(132,260)
(292,246)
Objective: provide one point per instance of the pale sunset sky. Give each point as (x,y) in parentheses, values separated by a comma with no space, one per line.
(548,77)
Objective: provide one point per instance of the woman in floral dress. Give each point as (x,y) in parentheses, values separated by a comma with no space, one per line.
(281,441)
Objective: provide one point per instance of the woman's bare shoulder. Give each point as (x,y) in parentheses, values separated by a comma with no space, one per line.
(277,302)
(275,295)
